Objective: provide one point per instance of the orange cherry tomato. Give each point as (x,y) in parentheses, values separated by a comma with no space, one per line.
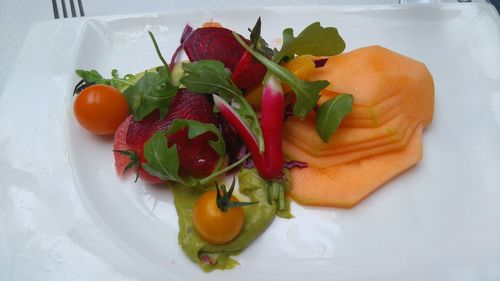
(100,109)
(214,225)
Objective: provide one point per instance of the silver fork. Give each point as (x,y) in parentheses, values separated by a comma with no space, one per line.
(65,11)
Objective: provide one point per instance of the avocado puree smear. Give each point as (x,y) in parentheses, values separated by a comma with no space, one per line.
(257,218)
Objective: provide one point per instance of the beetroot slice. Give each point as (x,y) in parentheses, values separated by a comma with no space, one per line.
(196,156)
(185,105)
(249,72)
(214,43)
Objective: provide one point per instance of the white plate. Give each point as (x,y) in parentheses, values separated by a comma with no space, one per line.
(65,216)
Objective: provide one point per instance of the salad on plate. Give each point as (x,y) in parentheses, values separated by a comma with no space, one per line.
(307,122)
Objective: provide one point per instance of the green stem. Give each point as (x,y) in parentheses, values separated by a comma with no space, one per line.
(220,172)
(159,53)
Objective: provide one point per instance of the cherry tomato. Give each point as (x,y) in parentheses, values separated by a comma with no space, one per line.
(100,109)
(214,225)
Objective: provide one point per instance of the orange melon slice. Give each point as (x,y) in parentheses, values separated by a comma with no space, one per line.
(375,121)
(398,136)
(366,112)
(324,161)
(368,116)
(347,184)
(305,132)
(374,74)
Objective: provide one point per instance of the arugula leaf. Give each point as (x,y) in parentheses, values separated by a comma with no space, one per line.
(158,52)
(196,128)
(162,161)
(153,90)
(307,93)
(313,40)
(331,113)
(210,76)
(91,77)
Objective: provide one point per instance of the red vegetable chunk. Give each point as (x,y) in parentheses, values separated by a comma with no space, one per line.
(272,118)
(197,158)
(185,105)
(214,43)
(249,72)
(270,163)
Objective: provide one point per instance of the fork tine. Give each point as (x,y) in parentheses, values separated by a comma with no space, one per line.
(80,7)
(63,4)
(54,7)
(72,6)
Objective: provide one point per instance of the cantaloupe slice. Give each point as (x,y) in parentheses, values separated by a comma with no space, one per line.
(374,74)
(375,121)
(368,116)
(366,112)
(345,185)
(398,136)
(305,131)
(324,161)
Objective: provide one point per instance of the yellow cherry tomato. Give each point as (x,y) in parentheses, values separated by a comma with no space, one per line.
(214,225)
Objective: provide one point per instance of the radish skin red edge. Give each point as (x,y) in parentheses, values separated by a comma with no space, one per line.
(270,163)
(272,117)
(235,120)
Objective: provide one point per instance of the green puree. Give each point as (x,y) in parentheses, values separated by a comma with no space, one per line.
(257,218)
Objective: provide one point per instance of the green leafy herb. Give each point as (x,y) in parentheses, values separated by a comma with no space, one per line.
(331,113)
(210,76)
(158,52)
(91,77)
(223,200)
(307,93)
(153,90)
(197,128)
(313,40)
(162,161)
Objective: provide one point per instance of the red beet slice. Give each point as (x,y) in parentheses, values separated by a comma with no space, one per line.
(249,72)
(214,43)
(197,158)
(185,105)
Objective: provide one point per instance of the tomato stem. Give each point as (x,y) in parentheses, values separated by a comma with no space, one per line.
(134,161)
(223,198)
